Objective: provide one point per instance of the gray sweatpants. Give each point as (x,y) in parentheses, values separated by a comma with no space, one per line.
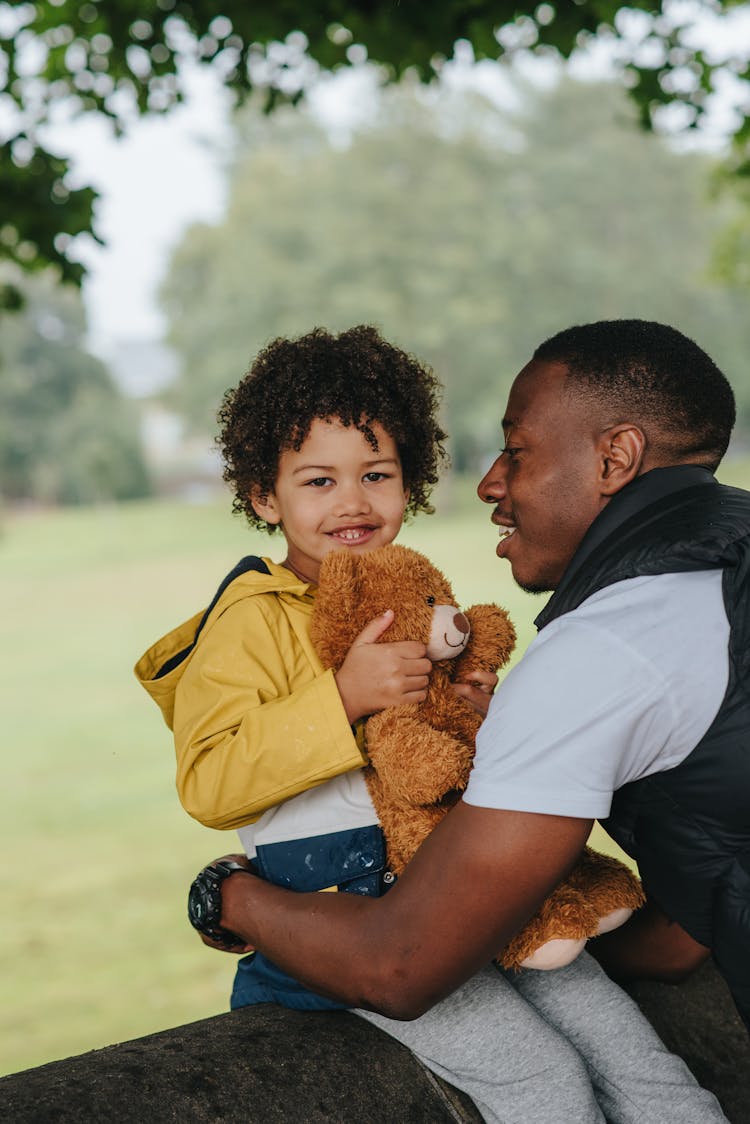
(561,1047)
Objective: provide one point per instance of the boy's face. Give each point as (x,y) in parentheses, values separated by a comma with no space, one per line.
(335,492)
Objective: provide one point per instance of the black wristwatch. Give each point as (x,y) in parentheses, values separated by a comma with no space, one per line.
(204,902)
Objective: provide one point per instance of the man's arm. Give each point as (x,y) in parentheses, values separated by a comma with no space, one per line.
(472,885)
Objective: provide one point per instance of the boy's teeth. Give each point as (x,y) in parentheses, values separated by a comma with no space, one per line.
(350,534)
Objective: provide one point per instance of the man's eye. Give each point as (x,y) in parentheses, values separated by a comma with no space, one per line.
(510,451)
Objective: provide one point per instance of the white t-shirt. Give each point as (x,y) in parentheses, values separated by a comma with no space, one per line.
(624,686)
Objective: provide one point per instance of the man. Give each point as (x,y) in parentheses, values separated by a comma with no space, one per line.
(630,704)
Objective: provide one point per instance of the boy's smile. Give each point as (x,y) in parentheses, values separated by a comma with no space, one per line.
(335,492)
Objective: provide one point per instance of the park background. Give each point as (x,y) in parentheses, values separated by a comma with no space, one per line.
(468,219)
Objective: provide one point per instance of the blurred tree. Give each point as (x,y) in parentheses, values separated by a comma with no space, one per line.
(466,233)
(117,58)
(66,434)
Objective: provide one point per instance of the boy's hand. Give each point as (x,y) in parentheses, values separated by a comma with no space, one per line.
(477,688)
(374,676)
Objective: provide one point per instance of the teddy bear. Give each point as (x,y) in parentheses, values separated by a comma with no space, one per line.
(420,754)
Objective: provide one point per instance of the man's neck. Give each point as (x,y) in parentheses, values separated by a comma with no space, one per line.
(645,490)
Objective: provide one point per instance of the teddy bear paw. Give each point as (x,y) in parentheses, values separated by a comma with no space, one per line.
(554,954)
(613,920)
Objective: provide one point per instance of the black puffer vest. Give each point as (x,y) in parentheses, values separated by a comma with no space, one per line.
(687,828)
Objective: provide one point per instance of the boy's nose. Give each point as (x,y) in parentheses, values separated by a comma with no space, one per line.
(352,500)
(491,487)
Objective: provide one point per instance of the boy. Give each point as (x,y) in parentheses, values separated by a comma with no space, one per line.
(334,440)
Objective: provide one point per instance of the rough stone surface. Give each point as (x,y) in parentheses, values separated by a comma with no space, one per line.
(262,1064)
(267,1065)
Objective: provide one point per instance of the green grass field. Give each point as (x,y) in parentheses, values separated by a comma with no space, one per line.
(97,852)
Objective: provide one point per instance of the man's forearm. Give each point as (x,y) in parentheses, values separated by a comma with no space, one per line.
(442,921)
(300,931)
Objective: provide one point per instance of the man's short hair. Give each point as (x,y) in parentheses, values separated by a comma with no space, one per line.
(652,375)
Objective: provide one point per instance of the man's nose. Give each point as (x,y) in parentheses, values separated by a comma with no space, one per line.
(491,487)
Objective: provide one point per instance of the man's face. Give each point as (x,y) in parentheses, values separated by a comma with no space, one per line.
(545,483)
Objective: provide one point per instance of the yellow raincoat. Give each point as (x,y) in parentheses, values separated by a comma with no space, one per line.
(256,718)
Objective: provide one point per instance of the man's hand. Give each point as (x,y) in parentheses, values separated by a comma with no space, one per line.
(214,941)
(374,676)
(477,687)
(239,949)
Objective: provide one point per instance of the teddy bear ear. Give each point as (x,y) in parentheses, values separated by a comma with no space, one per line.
(335,601)
(339,577)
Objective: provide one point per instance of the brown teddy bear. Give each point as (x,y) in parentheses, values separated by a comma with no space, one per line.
(420,754)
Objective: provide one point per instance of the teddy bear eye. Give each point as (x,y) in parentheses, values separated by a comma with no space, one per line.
(430,600)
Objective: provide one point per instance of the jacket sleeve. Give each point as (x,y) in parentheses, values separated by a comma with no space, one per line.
(255,723)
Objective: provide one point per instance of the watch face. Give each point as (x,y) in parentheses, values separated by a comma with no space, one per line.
(204,902)
(204,905)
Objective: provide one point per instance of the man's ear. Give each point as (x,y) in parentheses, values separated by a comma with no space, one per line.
(623,448)
(265,506)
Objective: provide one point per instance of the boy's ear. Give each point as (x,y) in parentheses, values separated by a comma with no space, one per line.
(265,506)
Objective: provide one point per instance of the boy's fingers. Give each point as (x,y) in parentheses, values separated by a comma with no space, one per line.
(372,632)
(418,668)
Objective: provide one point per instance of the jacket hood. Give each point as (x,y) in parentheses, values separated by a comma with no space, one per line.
(160,668)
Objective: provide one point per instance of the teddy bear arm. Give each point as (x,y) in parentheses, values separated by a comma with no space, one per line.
(416,764)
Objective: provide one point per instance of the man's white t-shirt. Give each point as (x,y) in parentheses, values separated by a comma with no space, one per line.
(623,686)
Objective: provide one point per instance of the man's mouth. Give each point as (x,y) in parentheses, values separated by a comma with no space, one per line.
(505,527)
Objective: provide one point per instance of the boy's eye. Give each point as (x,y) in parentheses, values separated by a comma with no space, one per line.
(373,477)
(318,482)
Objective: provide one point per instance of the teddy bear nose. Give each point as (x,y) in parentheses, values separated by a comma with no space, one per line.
(461,623)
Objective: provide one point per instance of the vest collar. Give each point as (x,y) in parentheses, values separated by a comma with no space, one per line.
(644,491)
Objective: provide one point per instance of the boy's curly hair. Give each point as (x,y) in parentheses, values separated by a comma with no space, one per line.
(356,376)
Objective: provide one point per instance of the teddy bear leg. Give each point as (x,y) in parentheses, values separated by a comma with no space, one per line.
(611,889)
(554,954)
(613,920)
(555,935)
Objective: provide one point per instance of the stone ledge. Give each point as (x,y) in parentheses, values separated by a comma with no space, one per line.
(268,1065)
(260,1064)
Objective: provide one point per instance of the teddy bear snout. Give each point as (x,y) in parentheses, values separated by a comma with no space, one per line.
(449,634)
(462,623)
